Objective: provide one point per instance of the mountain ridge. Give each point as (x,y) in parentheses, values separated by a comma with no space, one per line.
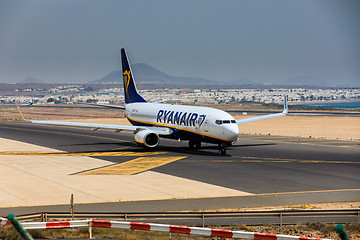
(146,74)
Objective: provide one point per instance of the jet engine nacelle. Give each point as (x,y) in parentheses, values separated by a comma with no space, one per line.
(148,138)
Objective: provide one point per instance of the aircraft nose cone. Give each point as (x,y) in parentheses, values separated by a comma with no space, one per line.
(233,132)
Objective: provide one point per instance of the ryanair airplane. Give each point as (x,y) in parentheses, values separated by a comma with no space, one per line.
(150,121)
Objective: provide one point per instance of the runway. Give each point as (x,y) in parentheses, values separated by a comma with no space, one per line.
(255,164)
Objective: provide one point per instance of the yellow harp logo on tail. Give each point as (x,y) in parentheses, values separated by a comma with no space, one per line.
(126,79)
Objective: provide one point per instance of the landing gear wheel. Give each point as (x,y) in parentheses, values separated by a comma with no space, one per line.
(222,149)
(197,145)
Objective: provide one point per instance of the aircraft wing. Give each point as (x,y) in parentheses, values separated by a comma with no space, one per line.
(104,105)
(162,101)
(257,118)
(96,126)
(116,106)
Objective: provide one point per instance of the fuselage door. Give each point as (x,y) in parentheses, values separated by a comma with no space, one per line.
(206,126)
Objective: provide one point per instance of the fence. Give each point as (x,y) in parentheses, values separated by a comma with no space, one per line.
(161,228)
(211,218)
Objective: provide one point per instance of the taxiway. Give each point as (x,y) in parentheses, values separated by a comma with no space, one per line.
(267,169)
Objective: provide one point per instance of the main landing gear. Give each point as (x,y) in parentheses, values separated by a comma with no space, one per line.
(195,145)
(222,149)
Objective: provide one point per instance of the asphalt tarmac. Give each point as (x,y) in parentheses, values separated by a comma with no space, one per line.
(278,170)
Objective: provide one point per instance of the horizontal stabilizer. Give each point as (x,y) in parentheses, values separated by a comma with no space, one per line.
(104,105)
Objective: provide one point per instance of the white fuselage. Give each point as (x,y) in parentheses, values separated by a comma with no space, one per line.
(187,122)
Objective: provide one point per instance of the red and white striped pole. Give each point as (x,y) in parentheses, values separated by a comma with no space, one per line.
(162,228)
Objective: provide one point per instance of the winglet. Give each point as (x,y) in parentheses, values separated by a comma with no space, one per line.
(286,109)
(22,116)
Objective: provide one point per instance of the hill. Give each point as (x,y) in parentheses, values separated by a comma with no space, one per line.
(144,73)
(32,80)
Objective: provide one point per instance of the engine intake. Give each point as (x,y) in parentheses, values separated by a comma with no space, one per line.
(147,138)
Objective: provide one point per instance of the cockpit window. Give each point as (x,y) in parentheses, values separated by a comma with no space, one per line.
(219,122)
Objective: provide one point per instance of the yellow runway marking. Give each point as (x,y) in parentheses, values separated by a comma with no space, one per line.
(137,165)
(319,142)
(274,160)
(88,154)
(115,149)
(294,160)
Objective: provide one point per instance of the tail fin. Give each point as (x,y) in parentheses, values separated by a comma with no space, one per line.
(130,90)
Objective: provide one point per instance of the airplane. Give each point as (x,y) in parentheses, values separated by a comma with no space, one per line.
(152,121)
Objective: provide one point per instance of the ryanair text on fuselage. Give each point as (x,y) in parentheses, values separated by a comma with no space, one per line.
(180,118)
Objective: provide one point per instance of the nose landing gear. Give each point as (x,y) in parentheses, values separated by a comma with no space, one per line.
(222,149)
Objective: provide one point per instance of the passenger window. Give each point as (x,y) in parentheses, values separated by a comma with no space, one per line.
(218,122)
(226,121)
(233,121)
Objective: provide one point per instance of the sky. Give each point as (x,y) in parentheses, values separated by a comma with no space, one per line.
(78,41)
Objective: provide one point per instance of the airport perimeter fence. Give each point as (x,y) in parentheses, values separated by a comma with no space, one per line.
(281,217)
(206,232)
